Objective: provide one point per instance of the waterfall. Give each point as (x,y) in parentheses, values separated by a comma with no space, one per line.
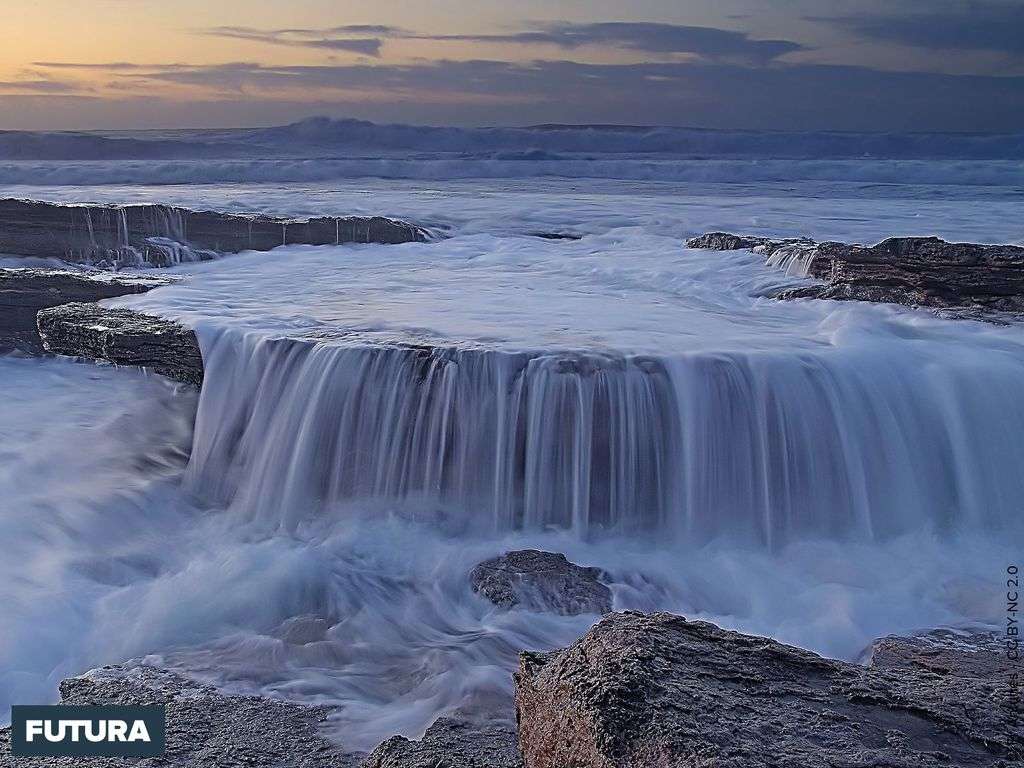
(765,446)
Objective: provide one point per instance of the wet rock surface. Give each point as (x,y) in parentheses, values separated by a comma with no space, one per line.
(643,690)
(945,652)
(123,337)
(450,743)
(161,235)
(23,292)
(541,581)
(204,727)
(914,271)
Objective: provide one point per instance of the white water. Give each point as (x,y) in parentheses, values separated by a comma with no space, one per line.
(320,149)
(822,472)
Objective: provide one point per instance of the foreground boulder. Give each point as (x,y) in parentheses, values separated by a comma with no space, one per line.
(162,235)
(204,728)
(914,271)
(450,743)
(541,581)
(23,292)
(639,691)
(123,337)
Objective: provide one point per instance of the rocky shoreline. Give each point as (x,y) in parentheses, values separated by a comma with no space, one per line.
(23,292)
(635,691)
(986,280)
(162,235)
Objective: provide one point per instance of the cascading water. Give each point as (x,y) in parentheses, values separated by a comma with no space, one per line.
(761,446)
(376,420)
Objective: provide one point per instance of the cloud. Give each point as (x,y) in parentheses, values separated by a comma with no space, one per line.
(39,86)
(310,38)
(965,26)
(792,96)
(707,42)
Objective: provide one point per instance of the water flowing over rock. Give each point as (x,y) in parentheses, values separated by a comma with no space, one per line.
(639,691)
(204,728)
(915,271)
(123,337)
(754,446)
(748,445)
(450,743)
(162,235)
(541,581)
(23,292)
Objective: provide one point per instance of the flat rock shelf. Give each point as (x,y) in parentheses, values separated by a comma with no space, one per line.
(163,235)
(122,337)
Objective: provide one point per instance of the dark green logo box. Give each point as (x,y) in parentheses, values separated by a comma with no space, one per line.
(31,727)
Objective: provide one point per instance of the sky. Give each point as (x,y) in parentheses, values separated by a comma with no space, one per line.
(895,65)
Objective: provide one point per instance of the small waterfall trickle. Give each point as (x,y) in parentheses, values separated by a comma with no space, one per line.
(764,446)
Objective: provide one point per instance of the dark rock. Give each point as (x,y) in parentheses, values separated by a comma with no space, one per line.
(450,743)
(951,652)
(641,690)
(914,271)
(23,292)
(204,728)
(161,235)
(557,235)
(725,241)
(123,337)
(541,581)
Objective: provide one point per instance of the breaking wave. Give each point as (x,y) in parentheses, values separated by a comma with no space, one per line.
(321,149)
(952,172)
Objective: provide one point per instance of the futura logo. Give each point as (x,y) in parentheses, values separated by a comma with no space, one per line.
(82,731)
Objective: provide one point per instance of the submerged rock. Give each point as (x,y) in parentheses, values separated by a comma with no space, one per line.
(644,690)
(914,271)
(450,743)
(161,235)
(204,728)
(23,292)
(541,581)
(123,337)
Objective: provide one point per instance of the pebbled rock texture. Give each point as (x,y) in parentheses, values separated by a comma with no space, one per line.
(655,690)
(123,337)
(541,581)
(914,271)
(945,652)
(205,729)
(23,292)
(450,743)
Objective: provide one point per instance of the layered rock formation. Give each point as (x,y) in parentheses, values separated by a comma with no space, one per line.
(23,292)
(161,235)
(640,691)
(915,271)
(541,581)
(123,337)
(204,728)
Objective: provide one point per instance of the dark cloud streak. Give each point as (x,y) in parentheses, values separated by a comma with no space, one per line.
(707,42)
(969,26)
(653,38)
(308,38)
